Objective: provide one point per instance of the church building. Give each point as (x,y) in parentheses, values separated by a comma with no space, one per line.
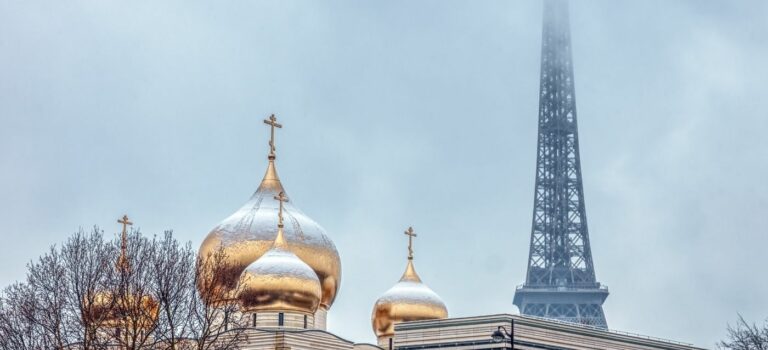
(284,273)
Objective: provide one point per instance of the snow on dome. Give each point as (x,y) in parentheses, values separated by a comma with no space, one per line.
(408,300)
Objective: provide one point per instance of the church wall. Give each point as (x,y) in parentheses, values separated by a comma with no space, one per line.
(272,319)
(296,339)
(474,333)
(366,347)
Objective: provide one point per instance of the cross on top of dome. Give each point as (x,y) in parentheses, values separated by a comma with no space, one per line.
(122,261)
(411,234)
(272,122)
(282,199)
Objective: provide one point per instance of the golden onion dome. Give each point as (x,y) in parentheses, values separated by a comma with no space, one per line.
(247,234)
(113,309)
(280,281)
(408,300)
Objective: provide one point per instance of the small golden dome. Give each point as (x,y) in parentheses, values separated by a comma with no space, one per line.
(280,281)
(248,234)
(113,309)
(408,300)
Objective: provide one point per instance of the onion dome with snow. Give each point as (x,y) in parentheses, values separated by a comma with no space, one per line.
(408,300)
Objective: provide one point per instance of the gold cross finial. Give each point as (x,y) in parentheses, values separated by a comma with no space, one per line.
(282,199)
(410,235)
(272,122)
(122,261)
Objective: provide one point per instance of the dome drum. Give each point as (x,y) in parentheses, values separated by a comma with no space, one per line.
(321,318)
(273,320)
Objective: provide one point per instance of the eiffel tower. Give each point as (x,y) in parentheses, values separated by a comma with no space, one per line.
(561,282)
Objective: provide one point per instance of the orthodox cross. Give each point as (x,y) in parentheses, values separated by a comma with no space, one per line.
(122,261)
(272,122)
(282,199)
(410,235)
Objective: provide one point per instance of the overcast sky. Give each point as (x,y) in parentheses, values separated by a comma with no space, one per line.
(401,113)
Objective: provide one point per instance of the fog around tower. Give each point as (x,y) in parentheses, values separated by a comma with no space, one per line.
(398,114)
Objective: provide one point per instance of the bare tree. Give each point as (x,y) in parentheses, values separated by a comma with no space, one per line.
(45,279)
(215,322)
(88,264)
(136,307)
(17,311)
(745,336)
(174,273)
(143,293)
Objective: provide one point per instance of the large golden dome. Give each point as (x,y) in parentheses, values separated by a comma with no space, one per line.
(248,233)
(280,281)
(408,300)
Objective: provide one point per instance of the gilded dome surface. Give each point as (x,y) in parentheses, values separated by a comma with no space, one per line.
(109,309)
(249,233)
(408,300)
(280,281)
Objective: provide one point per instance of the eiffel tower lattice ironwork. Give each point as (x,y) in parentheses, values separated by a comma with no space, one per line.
(561,282)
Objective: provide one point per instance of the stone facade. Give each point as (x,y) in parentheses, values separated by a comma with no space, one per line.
(298,339)
(474,333)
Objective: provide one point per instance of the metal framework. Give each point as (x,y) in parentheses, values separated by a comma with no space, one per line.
(561,281)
